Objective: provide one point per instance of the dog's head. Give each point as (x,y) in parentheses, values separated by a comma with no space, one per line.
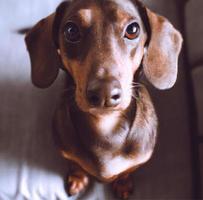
(102,44)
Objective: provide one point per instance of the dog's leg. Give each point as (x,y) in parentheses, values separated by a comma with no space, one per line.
(123,186)
(77,180)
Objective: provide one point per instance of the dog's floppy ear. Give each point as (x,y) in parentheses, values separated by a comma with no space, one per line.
(161,57)
(45,61)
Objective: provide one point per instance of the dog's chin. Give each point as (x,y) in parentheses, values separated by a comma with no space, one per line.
(101,110)
(83,106)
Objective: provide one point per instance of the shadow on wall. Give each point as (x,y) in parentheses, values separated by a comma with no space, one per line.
(25,125)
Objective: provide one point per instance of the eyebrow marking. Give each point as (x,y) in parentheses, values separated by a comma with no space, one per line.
(86,16)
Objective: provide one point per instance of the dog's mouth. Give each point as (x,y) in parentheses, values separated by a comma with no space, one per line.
(101,98)
(83,104)
(95,111)
(102,111)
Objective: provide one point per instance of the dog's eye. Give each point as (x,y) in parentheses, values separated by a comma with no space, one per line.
(132,31)
(72,32)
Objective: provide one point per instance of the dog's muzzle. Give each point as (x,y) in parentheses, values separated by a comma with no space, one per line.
(104,93)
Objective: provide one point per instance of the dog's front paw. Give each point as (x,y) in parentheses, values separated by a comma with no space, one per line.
(123,187)
(76,182)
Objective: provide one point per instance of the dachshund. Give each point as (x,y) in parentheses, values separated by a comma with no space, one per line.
(105,124)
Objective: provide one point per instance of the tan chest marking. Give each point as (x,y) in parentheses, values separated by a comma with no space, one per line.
(107,123)
(119,164)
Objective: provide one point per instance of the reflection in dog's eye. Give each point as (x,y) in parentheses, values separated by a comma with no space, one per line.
(72,32)
(132,31)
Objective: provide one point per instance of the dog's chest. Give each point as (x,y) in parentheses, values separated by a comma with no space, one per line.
(112,130)
(115,165)
(108,124)
(123,154)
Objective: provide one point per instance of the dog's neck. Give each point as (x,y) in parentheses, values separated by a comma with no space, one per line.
(112,127)
(107,123)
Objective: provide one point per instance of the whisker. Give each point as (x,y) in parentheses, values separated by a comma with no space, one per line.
(136,85)
(136,97)
(136,82)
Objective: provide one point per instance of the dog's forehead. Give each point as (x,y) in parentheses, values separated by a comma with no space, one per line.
(113,10)
(125,6)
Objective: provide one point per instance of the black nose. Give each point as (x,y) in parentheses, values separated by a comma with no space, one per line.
(104,93)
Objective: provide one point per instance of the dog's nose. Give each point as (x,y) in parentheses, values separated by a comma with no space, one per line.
(104,93)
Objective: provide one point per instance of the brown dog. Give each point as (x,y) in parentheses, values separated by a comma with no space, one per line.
(106,124)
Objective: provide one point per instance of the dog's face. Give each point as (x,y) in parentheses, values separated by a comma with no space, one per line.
(101,44)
